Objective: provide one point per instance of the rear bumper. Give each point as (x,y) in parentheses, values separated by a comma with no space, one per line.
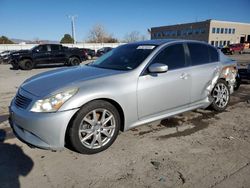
(42,130)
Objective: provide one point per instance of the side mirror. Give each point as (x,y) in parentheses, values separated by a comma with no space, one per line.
(158,68)
(36,50)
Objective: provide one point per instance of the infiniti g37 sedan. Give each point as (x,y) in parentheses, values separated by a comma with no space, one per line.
(134,84)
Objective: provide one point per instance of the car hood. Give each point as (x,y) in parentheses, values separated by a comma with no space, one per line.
(20,52)
(46,83)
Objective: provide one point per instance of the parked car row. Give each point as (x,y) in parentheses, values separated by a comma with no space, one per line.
(48,54)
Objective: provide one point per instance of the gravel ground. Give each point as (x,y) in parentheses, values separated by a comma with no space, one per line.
(195,149)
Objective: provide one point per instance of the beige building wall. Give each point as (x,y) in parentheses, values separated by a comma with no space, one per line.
(241,30)
(203,31)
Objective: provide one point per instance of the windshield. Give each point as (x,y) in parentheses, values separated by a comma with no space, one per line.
(126,57)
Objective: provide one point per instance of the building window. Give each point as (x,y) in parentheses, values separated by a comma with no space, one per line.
(226,30)
(233,31)
(224,43)
(221,30)
(218,30)
(190,32)
(178,33)
(173,33)
(184,32)
(220,43)
(229,30)
(212,42)
(228,42)
(213,30)
(216,43)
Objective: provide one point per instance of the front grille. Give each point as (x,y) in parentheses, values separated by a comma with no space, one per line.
(22,101)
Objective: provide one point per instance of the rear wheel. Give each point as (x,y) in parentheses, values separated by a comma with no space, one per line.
(26,64)
(95,127)
(74,61)
(221,96)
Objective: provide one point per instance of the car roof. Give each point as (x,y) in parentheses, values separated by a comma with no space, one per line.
(159,42)
(155,42)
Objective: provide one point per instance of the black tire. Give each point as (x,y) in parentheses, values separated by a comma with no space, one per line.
(232,52)
(215,105)
(26,64)
(74,61)
(77,124)
(15,65)
(89,57)
(237,83)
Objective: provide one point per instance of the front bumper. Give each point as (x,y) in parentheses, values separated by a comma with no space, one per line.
(42,130)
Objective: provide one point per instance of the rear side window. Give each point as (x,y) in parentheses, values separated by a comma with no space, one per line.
(55,47)
(198,53)
(214,57)
(173,56)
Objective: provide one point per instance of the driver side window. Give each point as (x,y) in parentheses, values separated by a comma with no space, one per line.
(42,48)
(173,56)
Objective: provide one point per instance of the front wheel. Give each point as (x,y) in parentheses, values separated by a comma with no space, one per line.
(15,65)
(95,127)
(221,96)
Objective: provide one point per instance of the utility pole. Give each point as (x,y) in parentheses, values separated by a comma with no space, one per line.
(72,18)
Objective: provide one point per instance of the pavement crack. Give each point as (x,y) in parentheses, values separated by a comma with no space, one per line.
(228,176)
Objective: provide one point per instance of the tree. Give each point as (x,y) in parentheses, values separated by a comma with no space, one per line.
(67,39)
(98,34)
(134,36)
(5,40)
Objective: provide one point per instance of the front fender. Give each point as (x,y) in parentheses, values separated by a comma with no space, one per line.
(123,94)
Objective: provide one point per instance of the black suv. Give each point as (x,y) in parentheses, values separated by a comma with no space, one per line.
(46,54)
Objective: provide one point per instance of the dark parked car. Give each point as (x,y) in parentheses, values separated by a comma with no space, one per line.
(232,48)
(103,50)
(46,54)
(89,53)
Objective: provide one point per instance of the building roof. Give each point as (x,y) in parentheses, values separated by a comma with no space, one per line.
(229,22)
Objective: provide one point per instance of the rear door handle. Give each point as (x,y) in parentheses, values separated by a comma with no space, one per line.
(184,76)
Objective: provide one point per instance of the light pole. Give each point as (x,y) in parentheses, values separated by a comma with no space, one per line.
(73,26)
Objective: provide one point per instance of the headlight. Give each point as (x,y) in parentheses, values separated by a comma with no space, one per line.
(53,103)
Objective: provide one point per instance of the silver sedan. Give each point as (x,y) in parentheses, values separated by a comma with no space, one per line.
(134,84)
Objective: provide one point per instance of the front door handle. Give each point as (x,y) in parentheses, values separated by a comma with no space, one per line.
(184,76)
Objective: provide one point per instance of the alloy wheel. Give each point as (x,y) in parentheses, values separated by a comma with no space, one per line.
(221,95)
(97,128)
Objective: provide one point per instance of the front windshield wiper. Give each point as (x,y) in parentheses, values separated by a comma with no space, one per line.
(110,68)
